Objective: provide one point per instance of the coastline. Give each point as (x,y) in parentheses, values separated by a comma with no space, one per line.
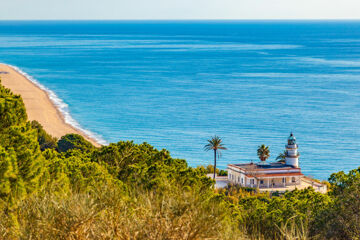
(40,106)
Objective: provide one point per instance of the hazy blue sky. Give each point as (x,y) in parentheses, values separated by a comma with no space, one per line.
(180,9)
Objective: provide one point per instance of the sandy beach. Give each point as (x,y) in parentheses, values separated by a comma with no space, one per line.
(38,105)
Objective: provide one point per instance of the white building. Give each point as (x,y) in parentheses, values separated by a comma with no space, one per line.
(275,176)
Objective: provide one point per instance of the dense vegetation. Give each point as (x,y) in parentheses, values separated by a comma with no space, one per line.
(68,189)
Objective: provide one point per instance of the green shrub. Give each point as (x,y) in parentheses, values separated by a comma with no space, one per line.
(12,109)
(74,141)
(45,140)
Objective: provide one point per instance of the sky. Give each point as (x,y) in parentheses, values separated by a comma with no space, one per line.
(178,9)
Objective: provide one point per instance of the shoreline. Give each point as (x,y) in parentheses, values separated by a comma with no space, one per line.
(41,106)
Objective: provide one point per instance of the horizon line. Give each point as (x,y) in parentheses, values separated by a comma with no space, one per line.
(224,19)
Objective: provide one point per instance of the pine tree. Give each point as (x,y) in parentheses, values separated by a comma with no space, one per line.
(12,188)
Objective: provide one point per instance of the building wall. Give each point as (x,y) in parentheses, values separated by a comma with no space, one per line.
(236,177)
(241,179)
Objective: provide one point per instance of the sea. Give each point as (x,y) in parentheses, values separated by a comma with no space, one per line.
(175,84)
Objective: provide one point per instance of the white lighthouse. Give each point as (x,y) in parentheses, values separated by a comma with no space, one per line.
(292,155)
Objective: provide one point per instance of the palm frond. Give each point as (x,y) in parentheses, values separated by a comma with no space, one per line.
(263,152)
(215,143)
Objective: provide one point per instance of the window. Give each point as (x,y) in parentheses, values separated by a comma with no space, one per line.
(284,180)
(242,180)
(238,179)
(261,181)
(293,179)
(251,181)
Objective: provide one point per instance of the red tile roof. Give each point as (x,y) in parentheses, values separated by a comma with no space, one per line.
(276,175)
(255,167)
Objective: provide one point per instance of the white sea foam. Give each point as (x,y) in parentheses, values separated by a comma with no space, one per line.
(62,107)
(342,40)
(214,46)
(323,61)
(343,76)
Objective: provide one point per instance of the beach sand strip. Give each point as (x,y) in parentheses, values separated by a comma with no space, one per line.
(38,105)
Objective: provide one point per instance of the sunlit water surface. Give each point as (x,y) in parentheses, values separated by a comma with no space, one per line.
(175,84)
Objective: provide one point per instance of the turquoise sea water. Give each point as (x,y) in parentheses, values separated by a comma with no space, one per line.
(175,84)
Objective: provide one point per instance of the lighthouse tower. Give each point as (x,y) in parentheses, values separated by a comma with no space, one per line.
(292,155)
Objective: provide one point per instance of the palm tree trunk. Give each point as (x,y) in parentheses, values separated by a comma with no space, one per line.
(257,185)
(214,163)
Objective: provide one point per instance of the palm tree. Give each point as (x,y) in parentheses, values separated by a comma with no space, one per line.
(281,157)
(263,152)
(215,143)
